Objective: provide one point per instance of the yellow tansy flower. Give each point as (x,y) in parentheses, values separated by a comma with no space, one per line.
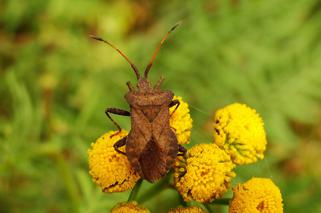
(239,130)
(181,121)
(204,174)
(190,209)
(108,168)
(129,207)
(256,196)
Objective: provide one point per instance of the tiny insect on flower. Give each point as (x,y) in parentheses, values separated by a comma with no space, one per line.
(239,130)
(255,196)
(129,207)
(108,168)
(181,121)
(205,174)
(190,209)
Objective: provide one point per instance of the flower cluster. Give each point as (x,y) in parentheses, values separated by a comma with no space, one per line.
(206,170)
(108,168)
(255,196)
(181,121)
(239,130)
(133,207)
(129,207)
(190,209)
(204,174)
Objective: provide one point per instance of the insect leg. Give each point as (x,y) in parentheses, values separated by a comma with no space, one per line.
(116,112)
(120,143)
(181,149)
(174,129)
(173,103)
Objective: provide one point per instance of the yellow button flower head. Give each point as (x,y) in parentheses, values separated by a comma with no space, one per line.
(108,168)
(239,130)
(205,174)
(258,195)
(129,207)
(190,209)
(181,121)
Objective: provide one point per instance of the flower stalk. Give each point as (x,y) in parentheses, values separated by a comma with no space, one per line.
(222,201)
(154,190)
(135,190)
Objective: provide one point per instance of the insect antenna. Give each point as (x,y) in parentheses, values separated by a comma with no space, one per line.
(115,48)
(157,49)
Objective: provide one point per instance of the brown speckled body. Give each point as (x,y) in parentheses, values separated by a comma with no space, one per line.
(151,145)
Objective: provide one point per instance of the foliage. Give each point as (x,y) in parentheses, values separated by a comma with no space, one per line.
(55,83)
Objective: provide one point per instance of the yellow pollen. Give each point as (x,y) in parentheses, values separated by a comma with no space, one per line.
(258,195)
(190,209)
(108,168)
(181,121)
(129,207)
(239,130)
(205,174)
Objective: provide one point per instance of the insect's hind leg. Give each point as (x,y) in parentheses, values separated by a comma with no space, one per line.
(120,143)
(173,103)
(116,112)
(182,150)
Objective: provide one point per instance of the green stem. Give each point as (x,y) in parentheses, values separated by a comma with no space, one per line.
(223,201)
(158,187)
(208,207)
(69,181)
(134,192)
(182,201)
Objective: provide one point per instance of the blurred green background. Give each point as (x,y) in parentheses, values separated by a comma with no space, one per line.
(55,83)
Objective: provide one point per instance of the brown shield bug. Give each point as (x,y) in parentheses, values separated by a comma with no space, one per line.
(151,145)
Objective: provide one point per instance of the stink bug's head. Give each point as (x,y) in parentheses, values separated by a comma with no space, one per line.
(143,84)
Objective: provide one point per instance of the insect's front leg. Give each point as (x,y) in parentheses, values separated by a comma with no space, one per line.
(173,103)
(182,150)
(116,112)
(120,143)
